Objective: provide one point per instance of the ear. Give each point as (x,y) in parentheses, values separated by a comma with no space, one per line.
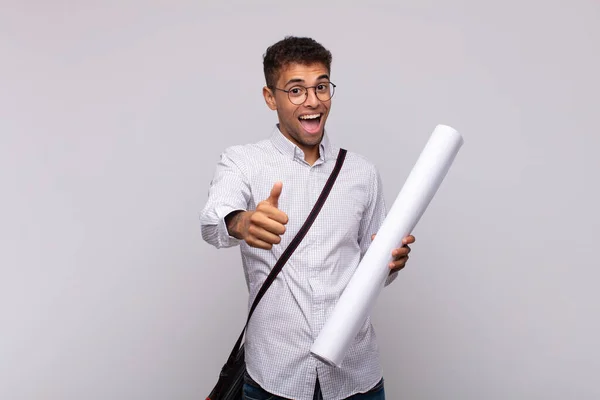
(269,98)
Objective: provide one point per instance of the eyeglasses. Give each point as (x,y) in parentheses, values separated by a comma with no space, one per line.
(298,94)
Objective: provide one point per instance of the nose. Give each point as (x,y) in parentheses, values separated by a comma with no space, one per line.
(311,98)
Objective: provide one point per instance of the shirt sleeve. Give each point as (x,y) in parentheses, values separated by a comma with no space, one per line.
(229,191)
(373,218)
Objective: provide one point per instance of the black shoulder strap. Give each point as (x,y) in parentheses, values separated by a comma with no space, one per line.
(293,244)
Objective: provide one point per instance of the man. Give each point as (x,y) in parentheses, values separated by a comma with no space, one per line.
(261,195)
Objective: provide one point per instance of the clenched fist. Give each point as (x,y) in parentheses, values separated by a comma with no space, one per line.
(263,227)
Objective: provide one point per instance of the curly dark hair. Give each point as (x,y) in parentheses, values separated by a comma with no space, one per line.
(292,49)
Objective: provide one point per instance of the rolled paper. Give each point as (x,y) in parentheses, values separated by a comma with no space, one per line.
(362,291)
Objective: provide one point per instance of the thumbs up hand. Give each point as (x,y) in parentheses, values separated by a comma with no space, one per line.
(263,227)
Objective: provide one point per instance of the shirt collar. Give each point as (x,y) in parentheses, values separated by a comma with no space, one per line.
(289,149)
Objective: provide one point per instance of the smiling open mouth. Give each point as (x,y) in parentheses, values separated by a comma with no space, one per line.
(310,122)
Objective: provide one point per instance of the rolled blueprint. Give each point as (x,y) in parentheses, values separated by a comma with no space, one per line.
(359,297)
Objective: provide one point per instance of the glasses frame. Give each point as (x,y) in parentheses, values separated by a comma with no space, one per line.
(333,85)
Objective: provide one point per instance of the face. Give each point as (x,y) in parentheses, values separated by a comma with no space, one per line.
(303,124)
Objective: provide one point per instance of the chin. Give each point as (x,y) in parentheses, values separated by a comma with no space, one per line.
(313,139)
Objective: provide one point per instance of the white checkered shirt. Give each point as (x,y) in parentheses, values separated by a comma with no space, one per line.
(298,303)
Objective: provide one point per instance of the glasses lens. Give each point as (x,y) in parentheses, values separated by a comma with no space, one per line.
(325,91)
(297,95)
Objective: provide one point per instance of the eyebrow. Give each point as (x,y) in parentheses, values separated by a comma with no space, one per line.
(299,80)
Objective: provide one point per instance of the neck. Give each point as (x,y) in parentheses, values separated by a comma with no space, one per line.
(311,155)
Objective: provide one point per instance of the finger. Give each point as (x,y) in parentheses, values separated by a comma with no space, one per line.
(270,218)
(273,198)
(373,237)
(396,269)
(254,242)
(399,263)
(401,252)
(263,235)
(267,208)
(271,226)
(275,214)
(408,239)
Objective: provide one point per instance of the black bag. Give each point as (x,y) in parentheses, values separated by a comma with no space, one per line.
(231,379)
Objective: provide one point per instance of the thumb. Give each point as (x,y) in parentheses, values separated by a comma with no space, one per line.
(275,193)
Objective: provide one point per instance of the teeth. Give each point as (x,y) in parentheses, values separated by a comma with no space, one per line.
(313,116)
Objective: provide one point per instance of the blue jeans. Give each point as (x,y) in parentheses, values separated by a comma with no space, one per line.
(252,391)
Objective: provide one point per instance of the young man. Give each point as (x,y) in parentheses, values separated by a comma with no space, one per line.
(260,196)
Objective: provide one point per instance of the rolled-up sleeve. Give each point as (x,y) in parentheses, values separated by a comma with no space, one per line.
(229,191)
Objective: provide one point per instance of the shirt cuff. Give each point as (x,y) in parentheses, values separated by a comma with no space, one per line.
(391,278)
(225,239)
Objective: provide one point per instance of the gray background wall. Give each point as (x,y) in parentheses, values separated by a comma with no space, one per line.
(113,115)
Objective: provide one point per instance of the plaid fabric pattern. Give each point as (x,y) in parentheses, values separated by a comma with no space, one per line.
(296,306)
